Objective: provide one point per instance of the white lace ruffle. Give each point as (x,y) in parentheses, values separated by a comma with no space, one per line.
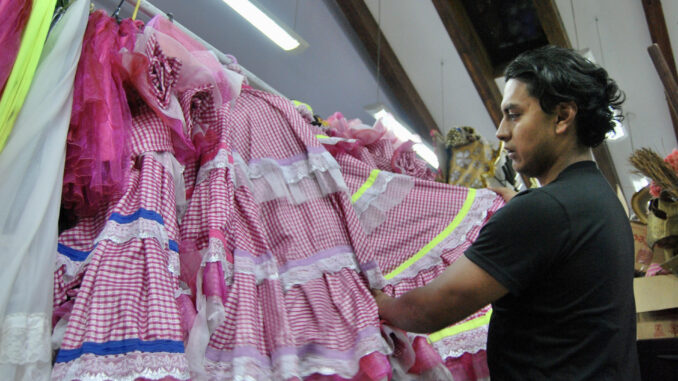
(292,366)
(302,274)
(475,217)
(140,228)
(298,182)
(389,189)
(127,367)
(26,339)
(221,160)
(470,341)
(266,267)
(71,267)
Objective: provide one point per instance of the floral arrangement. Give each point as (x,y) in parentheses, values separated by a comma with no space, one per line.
(663,173)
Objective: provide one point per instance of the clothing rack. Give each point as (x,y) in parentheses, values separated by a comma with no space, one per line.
(151,11)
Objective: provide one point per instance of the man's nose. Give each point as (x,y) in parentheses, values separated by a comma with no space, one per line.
(502,132)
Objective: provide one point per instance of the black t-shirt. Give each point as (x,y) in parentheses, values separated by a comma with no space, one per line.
(565,253)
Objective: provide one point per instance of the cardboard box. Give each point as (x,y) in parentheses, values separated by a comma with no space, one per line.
(657,306)
(657,324)
(644,256)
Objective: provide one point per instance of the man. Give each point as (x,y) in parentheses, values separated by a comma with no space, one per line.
(556,262)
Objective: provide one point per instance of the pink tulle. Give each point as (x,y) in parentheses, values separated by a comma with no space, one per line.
(97,154)
(402,160)
(227,83)
(15,15)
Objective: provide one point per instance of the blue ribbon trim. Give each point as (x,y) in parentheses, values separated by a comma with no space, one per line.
(73,254)
(120,347)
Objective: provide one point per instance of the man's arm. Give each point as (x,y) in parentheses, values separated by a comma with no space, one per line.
(462,289)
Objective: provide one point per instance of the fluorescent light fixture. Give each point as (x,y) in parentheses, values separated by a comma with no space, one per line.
(403,133)
(265,24)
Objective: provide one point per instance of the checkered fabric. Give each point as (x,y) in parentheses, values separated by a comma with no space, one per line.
(426,214)
(123,293)
(294,302)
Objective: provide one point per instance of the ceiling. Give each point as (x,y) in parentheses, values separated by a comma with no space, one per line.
(336,71)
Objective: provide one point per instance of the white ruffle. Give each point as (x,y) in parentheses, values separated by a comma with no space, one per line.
(475,217)
(127,367)
(266,267)
(26,339)
(302,274)
(470,341)
(292,366)
(140,228)
(389,189)
(71,267)
(221,160)
(298,182)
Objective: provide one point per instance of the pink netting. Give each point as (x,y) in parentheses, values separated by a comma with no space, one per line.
(15,14)
(384,150)
(97,159)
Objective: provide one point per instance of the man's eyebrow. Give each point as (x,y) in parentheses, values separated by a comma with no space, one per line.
(508,107)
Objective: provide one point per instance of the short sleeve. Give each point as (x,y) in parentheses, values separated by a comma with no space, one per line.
(522,240)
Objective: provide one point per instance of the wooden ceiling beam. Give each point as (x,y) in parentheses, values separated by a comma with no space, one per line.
(654,15)
(473,54)
(363,23)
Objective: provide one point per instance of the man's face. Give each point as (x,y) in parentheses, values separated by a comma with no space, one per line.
(528,132)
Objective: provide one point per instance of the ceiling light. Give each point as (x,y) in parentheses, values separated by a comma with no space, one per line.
(265,24)
(403,133)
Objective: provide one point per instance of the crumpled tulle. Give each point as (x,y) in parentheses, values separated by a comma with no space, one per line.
(358,135)
(97,154)
(14,18)
(228,82)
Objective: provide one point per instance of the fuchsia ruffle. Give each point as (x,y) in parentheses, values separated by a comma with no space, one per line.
(97,154)
(15,15)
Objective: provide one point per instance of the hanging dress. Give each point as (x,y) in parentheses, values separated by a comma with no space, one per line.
(416,227)
(275,237)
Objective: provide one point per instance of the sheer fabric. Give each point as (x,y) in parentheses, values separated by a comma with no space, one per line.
(31,168)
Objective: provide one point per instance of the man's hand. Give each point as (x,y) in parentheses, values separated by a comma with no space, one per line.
(505,192)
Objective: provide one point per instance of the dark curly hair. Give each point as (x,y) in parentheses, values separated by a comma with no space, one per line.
(553,75)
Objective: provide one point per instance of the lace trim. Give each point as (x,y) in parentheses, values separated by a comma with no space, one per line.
(26,340)
(250,365)
(127,367)
(389,189)
(265,267)
(476,216)
(71,267)
(470,341)
(141,228)
(314,176)
(222,160)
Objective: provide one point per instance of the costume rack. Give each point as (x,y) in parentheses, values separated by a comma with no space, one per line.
(151,10)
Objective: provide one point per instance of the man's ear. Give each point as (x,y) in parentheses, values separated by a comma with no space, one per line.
(566,112)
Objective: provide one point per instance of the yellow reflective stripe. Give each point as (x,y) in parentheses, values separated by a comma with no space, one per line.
(448,230)
(366,185)
(298,103)
(325,137)
(459,328)
(25,64)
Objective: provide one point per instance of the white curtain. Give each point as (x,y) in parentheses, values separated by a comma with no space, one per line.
(31,173)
